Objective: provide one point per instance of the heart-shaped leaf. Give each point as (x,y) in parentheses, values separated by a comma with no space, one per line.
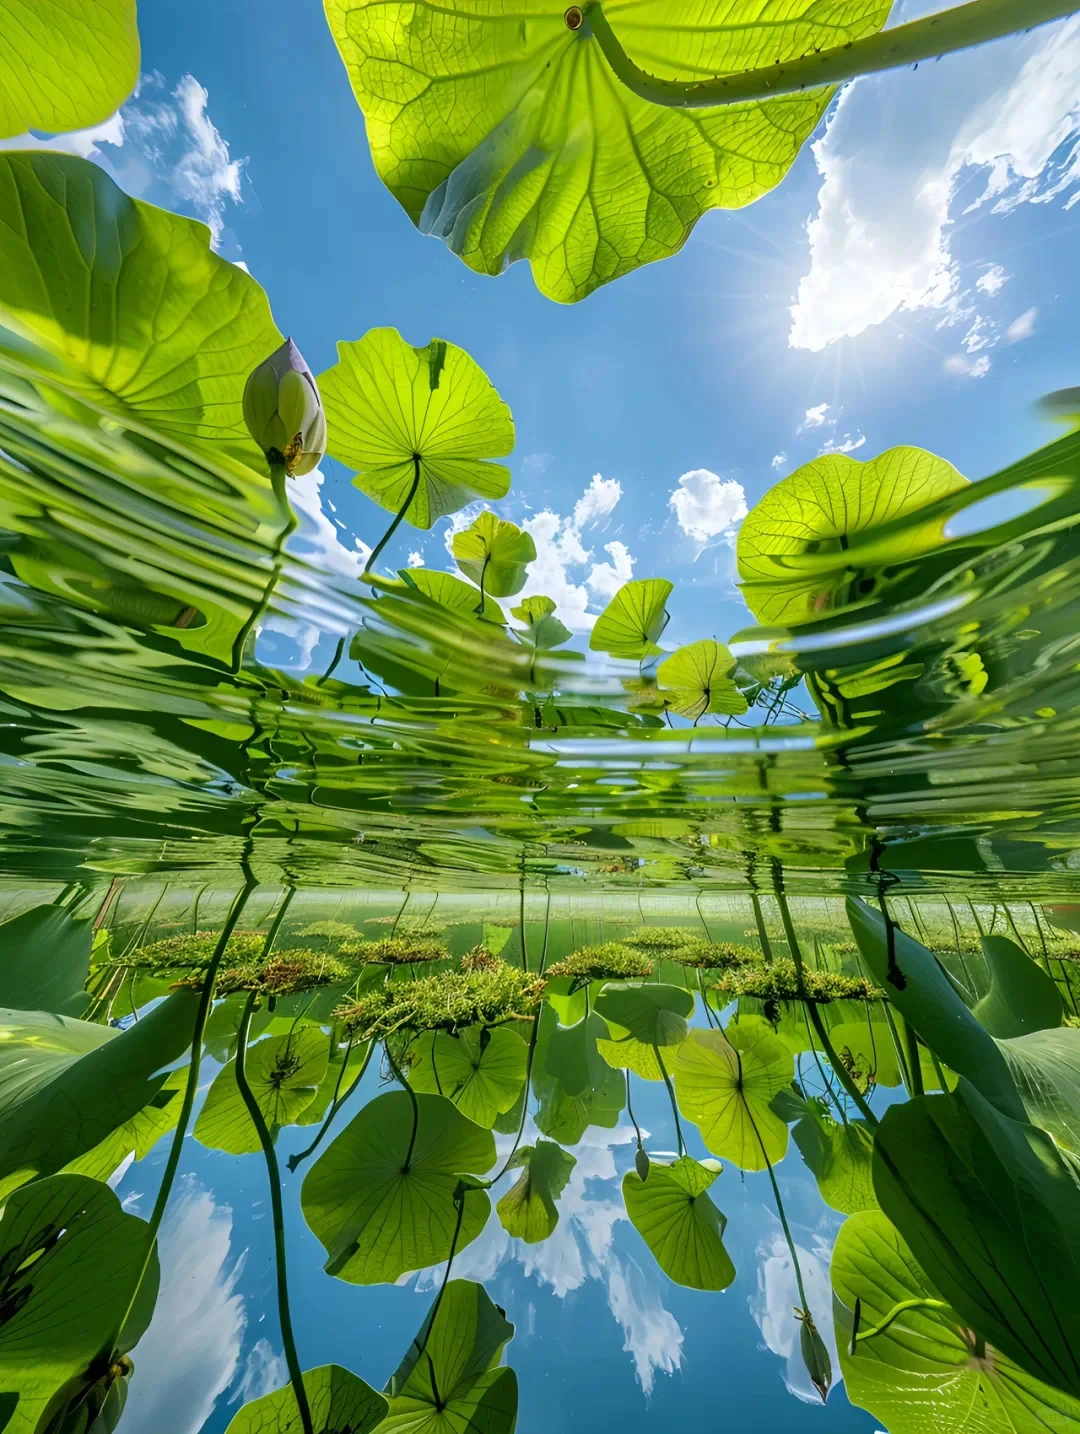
(340,1403)
(528,1209)
(494,554)
(696,680)
(725,1082)
(542,628)
(283,1073)
(64,66)
(675,1216)
(633,621)
(481,1070)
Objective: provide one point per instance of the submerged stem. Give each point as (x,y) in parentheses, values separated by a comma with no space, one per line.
(278,480)
(671,1097)
(335,1105)
(959,28)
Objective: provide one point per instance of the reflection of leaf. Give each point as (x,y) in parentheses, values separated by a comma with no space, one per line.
(528,1210)
(481,1071)
(343,1065)
(139,313)
(494,554)
(450,1382)
(449,591)
(677,1219)
(223,1025)
(388,403)
(654,1014)
(379,1220)
(565,1118)
(1022,997)
(65,1085)
(63,67)
(505,133)
(799,550)
(991,1210)
(631,624)
(696,680)
(70,1259)
(542,628)
(924,1372)
(839,1156)
(46,959)
(283,1073)
(572,1058)
(340,1403)
(725,1082)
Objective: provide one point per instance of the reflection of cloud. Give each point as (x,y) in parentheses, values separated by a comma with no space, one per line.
(652,1335)
(777,1297)
(264,1371)
(189,1355)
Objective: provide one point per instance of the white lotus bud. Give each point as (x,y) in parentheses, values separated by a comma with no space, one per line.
(284,413)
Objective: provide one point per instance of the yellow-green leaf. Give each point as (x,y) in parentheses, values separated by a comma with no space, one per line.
(725,1082)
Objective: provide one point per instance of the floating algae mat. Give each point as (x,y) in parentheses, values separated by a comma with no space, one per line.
(470,1033)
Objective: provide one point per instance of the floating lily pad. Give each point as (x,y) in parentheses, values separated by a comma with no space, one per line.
(528,1210)
(633,621)
(63,66)
(450,592)
(283,1072)
(542,628)
(725,1082)
(481,1070)
(675,1216)
(840,1157)
(494,554)
(696,680)
(654,1014)
(340,1403)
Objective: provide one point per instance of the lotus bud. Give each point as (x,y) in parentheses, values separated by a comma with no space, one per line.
(641,1164)
(815,1355)
(284,413)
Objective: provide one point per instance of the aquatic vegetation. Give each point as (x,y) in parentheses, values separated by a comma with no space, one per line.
(610,962)
(194,951)
(450,1001)
(780,981)
(662,939)
(286,974)
(393,951)
(714,955)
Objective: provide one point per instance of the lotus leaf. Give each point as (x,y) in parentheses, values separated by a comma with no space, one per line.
(449,591)
(653,1014)
(46,961)
(528,1210)
(494,554)
(481,1070)
(418,426)
(675,1216)
(571,1056)
(382,1197)
(65,66)
(137,1136)
(696,680)
(340,1403)
(283,1072)
(725,1082)
(542,628)
(840,1157)
(633,621)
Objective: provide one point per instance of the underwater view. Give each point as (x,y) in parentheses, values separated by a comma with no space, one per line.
(539,866)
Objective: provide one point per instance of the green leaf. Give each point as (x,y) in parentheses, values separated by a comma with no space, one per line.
(481,1070)
(813,542)
(505,133)
(137,1136)
(283,1073)
(1045,1067)
(677,1219)
(696,680)
(65,1085)
(70,1260)
(725,1082)
(840,1158)
(46,961)
(494,554)
(991,1210)
(379,1220)
(571,1056)
(450,592)
(654,1014)
(223,1026)
(393,411)
(456,1353)
(351,1057)
(631,624)
(623,1053)
(925,1372)
(64,66)
(135,311)
(542,628)
(1022,998)
(528,1210)
(868,1045)
(340,1403)
(565,1118)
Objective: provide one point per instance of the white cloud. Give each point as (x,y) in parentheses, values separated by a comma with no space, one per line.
(893,160)
(847,444)
(598,501)
(416,560)
(815,418)
(1023,327)
(993,281)
(779,461)
(264,1371)
(605,579)
(84,142)
(778,1294)
(707,506)
(651,1334)
(960,367)
(560,550)
(204,174)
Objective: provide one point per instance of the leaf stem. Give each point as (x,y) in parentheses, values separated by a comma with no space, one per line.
(278,479)
(335,1105)
(377,549)
(958,28)
(671,1097)
(399,1076)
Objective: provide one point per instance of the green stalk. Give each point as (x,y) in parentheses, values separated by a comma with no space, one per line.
(671,1097)
(377,549)
(918,1303)
(335,1105)
(959,28)
(278,480)
(763,935)
(296,1375)
(914,1059)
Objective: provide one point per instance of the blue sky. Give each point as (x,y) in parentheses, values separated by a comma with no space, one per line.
(910,282)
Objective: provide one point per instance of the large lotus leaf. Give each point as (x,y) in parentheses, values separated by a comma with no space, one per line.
(450,1381)
(654,1014)
(810,544)
(283,1072)
(840,1157)
(137,1136)
(991,1210)
(494,554)
(528,1209)
(394,412)
(136,311)
(696,680)
(1022,998)
(571,1057)
(926,1373)
(542,628)
(70,1261)
(482,1071)
(340,1403)
(503,131)
(675,1216)
(622,1052)
(65,66)
(65,1085)
(633,621)
(725,1082)
(378,1219)
(449,591)
(45,962)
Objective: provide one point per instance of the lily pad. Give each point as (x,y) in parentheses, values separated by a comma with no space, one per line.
(450,592)
(283,1072)
(528,1210)
(46,961)
(451,1382)
(542,628)
(481,1070)
(383,1203)
(65,67)
(675,1216)
(135,310)
(696,680)
(505,132)
(571,1057)
(653,1014)
(1022,998)
(494,554)
(633,621)
(725,1082)
(424,421)
(340,1403)
(840,1157)
(565,1117)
